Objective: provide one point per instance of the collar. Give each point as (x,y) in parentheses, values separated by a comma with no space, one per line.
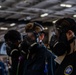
(59,59)
(33,44)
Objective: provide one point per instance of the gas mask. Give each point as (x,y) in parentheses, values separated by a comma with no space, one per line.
(9,47)
(60,45)
(30,43)
(24,46)
(32,38)
(33,31)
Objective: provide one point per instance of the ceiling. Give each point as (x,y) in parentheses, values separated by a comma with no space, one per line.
(18,12)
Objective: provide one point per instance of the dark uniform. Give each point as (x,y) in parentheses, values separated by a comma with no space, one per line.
(41,64)
(12,40)
(39,60)
(15,60)
(2,68)
(68,65)
(65,46)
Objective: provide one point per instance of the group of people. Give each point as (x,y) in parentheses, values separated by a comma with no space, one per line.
(32,57)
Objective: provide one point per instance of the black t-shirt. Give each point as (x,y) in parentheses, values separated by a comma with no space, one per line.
(68,65)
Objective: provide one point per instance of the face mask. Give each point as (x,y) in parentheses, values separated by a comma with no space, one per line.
(32,37)
(61,45)
(30,40)
(9,47)
(24,46)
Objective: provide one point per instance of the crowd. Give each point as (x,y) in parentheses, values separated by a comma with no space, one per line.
(30,56)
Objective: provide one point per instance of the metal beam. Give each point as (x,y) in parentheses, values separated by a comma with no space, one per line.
(14,12)
(13,21)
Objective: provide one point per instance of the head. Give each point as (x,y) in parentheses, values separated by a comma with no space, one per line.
(34,32)
(12,40)
(65,31)
(34,36)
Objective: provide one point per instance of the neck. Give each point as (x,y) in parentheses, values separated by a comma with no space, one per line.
(73,49)
(73,46)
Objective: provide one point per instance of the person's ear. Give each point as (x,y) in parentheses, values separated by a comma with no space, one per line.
(41,37)
(70,34)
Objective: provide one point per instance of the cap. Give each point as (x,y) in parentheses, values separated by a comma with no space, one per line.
(65,24)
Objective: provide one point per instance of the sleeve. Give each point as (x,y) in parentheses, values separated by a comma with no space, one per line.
(51,63)
(15,59)
(51,66)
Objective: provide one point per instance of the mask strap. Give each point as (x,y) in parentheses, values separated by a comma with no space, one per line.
(70,41)
(36,36)
(74,46)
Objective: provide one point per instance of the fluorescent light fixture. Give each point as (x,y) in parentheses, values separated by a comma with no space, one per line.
(3,28)
(13,24)
(65,5)
(45,28)
(62,5)
(25,1)
(0,6)
(74,15)
(68,5)
(28,18)
(43,15)
(54,21)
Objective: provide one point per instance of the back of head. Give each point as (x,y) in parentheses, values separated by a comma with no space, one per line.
(65,24)
(13,36)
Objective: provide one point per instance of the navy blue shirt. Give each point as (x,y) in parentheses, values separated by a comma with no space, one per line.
(2,68)
(41,64)
(68,65)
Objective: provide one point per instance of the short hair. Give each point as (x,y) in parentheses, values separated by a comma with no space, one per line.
(30,27)
(12,35)
(65,24)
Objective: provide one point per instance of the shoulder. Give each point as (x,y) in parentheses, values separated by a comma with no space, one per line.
(72,56)
(2,64)
(15,53)
(48,53)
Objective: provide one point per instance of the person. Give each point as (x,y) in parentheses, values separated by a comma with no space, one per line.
(63,45)
(40,61)
(2,68)
(12,40)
